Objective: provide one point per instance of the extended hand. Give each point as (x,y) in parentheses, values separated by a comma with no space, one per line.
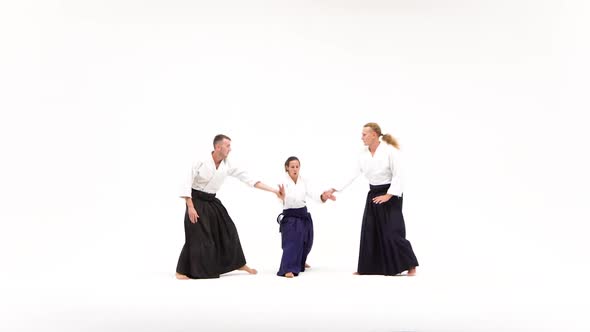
(281,192)
(328,194)
(382,199)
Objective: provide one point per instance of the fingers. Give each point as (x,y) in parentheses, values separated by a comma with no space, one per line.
(381,199)
(330,194)
(193,216)
(327,195)
(281,192)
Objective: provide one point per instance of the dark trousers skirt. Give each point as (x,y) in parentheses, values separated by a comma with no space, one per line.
(384,249)
(296,239)
(212,246)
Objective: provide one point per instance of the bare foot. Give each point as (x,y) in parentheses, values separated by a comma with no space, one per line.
(307,266)
(289,275)
(356,274)
(248,269)
(412,272)
(181,276)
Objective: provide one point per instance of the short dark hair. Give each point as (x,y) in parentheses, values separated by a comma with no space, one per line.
(290,159)
(219,138)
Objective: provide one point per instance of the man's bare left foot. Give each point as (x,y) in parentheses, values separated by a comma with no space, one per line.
(248,269)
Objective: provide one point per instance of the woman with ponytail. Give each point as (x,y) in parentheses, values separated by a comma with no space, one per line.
(384,249)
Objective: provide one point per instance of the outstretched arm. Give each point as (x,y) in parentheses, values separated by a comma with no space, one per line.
(353,173)
(265,187)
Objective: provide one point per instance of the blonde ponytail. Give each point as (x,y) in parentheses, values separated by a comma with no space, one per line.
(390,140)
(386,138)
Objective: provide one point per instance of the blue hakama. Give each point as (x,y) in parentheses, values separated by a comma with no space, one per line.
(297,239)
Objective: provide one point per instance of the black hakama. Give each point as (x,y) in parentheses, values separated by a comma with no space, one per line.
(212,246)
(384,249)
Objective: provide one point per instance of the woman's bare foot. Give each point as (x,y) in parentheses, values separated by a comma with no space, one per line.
(356,274)
(307,266)
(412,271)
(181,276)
(248,269)
(289,275)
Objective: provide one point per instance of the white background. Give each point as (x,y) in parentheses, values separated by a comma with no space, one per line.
(104,105)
